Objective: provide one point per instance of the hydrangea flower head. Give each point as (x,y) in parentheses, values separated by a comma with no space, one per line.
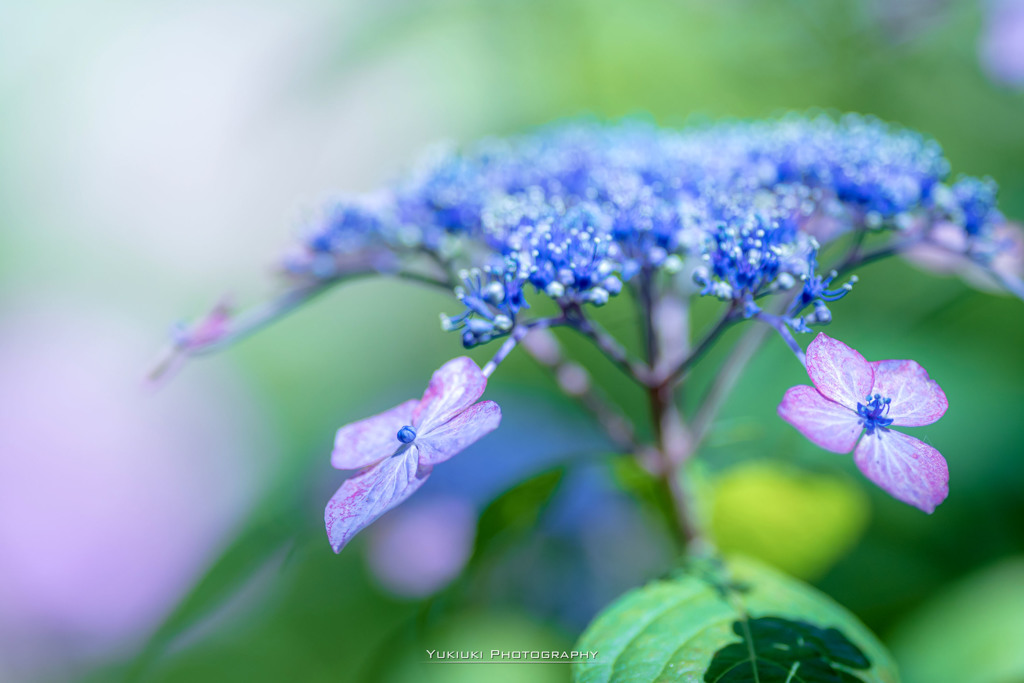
(396,450)
(854,403)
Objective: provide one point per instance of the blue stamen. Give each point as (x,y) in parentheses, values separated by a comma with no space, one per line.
(873,412)
(493,297)
(406,434)
(816,292)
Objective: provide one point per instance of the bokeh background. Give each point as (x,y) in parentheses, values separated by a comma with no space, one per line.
(156,155)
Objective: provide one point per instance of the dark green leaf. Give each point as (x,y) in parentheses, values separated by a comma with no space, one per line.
(684,628)
(517,510)
(777,650)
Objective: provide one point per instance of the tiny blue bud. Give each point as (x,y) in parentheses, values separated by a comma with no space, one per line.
(406,434)
(672,264)
(612,285)
(554,290)
(479,326)
(598,296)
(494,293)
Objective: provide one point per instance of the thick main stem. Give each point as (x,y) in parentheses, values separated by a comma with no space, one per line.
(672,438)
(671,434)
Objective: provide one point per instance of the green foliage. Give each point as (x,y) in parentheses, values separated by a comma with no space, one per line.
(972,632)
(240,562)
(773,650)
(515,512)
(797,521)
(684,628)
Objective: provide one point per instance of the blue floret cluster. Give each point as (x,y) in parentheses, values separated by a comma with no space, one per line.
(578,211)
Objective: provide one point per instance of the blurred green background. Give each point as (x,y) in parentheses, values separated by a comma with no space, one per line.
(155,155)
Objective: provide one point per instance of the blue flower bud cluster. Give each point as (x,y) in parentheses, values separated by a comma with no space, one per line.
(574,211)
(971,203)
(356,235)
(749,251)
(493,298)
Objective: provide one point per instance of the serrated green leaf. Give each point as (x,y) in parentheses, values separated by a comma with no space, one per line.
(730,622)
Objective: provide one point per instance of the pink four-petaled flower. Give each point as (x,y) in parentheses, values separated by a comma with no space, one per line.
(851,396)
(397,449)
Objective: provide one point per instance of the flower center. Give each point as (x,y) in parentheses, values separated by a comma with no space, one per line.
(407,434)
(873,413)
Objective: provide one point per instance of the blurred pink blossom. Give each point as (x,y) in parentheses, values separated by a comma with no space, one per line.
(418,549)
(112,500)
(1001,45)
(947,244)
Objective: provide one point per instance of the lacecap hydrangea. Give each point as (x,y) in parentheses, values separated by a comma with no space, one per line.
(573,211)
(581,212)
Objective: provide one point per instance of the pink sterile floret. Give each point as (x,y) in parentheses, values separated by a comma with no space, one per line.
(851,396)
(397,449)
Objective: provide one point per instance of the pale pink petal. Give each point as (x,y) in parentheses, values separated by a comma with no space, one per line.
(824,227)
(948,251)
(905,468)
(916,400)
(1001,45)
(363,443)
(453,388)
(826,423)
(1006,249)
(1009,260)
(368,495)
(209,329)
(839,372)
(943,251)
(446,440)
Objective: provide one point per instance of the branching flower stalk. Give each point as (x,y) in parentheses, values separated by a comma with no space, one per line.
(735,212)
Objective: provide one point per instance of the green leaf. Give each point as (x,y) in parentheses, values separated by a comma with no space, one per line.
(798,521)
(261,539)
(516,511)
(777,650)
(732,622)
(969,632)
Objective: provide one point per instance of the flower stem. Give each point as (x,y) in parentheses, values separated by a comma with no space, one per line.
(780,326)
(858,258)
(725,379)
(254,319)
(575,381)
(728,318)
(673,445)
(608,345)
(517,336)
(672,437)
